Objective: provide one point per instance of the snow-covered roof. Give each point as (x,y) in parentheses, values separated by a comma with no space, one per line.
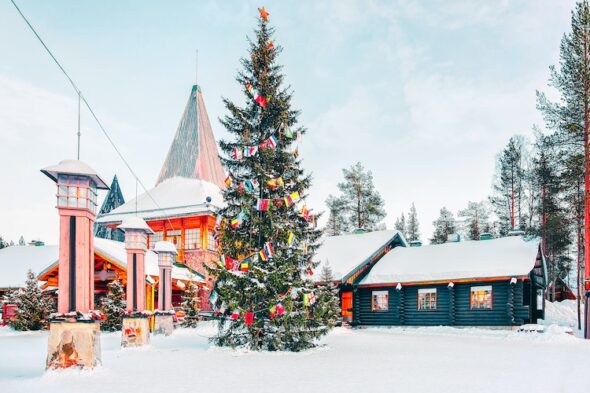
(135,222)
(165,246)
(74,167)
(15,261)
(345,253)
(504,257)
(177,196)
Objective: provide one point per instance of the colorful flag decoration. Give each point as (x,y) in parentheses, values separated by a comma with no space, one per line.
(296,152)
(272,142)
(274,183)
(269,44)
(228,181)
(311,298)
(235,223)
(263,204)
(244,266)
(229,262)
(272,311)
(305,299)
(305,213)
(249,318)
(269,251)
(294,293)
(235,315)
(213,297)
(294,197)
(288,133)
(291,238)
(250,151)
(250,88)
(280,309)
(262,255)
(237,153)
(261,100)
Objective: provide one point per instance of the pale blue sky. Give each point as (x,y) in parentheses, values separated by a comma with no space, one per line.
(423,93)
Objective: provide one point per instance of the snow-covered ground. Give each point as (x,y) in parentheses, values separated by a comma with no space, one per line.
(370,360)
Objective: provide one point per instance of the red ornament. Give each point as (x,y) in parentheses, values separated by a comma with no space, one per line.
(249,318)
(235,316)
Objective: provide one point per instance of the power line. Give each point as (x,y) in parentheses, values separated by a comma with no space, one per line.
(81,97)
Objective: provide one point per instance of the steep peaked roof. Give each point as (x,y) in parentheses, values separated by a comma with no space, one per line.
(194,153)
(113,200)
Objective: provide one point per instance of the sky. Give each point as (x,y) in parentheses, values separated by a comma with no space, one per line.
(423,94)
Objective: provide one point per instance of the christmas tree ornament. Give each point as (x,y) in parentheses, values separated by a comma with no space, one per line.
(263,14)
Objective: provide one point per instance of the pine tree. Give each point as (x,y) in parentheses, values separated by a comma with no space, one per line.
(363,204)
(337,224)
(266,232)
(444,226)
(113,306)
(190,306)
(475,220)
(21,241)
(33,307)
(328,304)
(413,228)
(400,225)
(508,187)
(3,243)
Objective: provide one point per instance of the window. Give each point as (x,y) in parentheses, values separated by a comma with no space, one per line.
(427,299)
(380,301)
(211,242)
(156,237)
(76,192)
(481,298)
(192,239)
(174,237)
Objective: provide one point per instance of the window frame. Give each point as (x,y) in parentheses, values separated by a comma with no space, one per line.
(374,303)
(426,292)
(479,288)
(189,234)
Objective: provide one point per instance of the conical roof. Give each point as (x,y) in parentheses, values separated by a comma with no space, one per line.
(194,153)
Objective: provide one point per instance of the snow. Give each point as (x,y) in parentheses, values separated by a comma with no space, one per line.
(165,246)
(177,196)
(15,261)
(74,167)
(504,257)
(345,253)
(427,359)
(135,222)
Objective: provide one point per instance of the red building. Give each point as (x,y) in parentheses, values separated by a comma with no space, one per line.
(182,206)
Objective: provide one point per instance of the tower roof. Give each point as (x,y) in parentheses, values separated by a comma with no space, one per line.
(193,153)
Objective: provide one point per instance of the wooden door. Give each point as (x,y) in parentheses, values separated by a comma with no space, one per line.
(346,302)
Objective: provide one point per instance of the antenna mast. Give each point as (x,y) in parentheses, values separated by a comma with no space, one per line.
(79,125)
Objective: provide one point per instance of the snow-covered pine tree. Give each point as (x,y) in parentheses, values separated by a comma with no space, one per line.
(21,241)
(413,227)
(267,233)
(444,226)
(328,303)
(3,243)
(337,224)
(400,225)
(113,307)
(509,183)
(33,306)
(362,202)
(475,220)
(190,306)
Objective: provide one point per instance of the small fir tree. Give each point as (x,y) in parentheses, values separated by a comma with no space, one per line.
(113,306)
(21,241)
(33,306)
(328,307)
(190,306)
(413,228)
(266,231)
(444,226)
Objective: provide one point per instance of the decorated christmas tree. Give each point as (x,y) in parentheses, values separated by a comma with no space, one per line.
(266,298)
(33,306)
(190,306)
(113,307)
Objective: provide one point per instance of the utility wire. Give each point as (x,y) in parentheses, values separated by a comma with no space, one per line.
(102,128)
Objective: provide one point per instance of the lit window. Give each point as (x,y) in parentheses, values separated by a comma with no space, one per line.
(192,239)
(211,242)
(174,237)
(380,301)
(427,299)
(481,298)
(156,237)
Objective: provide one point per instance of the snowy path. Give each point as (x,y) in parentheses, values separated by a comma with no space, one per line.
(368,360)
